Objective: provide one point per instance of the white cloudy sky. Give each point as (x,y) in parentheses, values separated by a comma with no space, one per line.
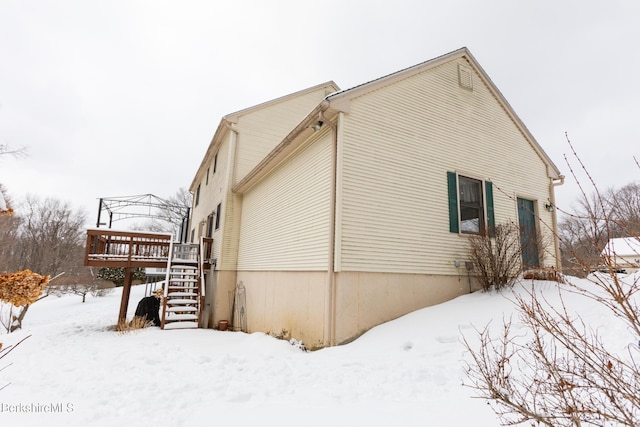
(116,98)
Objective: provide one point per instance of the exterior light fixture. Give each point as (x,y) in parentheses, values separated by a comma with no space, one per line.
(549,207)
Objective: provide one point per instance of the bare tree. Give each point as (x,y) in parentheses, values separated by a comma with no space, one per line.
(5,202)
(82,283)
(587,227)
(6,150)
(625,209)
(51,237)
(170,217)
(9,235)
(584,232)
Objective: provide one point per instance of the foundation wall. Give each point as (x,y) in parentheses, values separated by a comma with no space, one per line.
(364,300)
(292,304)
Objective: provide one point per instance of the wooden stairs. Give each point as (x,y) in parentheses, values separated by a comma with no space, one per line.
(184,287)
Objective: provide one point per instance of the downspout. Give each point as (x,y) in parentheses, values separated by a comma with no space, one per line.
(330,312)
(232,160)
(554,218)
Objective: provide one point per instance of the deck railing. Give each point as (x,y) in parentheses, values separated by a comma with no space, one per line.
(110,248)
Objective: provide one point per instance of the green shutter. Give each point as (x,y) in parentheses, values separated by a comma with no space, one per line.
(491,220)
(452,183)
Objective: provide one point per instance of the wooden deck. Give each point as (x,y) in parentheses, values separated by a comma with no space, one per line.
(129,249)
(135,249)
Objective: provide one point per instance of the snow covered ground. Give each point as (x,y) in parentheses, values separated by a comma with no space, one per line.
(74,371)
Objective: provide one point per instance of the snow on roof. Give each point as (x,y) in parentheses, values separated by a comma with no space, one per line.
(623,246)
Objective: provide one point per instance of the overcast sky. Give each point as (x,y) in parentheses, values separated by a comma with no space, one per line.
(116,98)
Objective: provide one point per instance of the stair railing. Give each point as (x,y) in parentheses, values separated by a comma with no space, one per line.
(201,258)
(166,285)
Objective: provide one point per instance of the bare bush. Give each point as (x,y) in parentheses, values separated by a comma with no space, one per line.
(101,291)
(4,351)
(138,322)
(561,373)
(81,284)
(557,370)
(18,291)
(496,260)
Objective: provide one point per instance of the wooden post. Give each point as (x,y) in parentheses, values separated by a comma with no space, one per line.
(126,292)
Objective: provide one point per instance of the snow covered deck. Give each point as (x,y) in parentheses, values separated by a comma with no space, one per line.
(111,248)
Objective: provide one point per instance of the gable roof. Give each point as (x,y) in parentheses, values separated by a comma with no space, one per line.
(232,118)
(340,102)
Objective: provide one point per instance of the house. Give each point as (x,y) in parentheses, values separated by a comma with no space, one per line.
(338,210)
(623,253)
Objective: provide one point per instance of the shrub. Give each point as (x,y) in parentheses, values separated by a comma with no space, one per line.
(556,370)
(138,322)
(496,260)
(18,291)
(22,288)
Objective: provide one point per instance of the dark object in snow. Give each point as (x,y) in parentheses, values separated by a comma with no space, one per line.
(149,307)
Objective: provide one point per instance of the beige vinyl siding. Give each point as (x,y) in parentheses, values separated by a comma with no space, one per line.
(212,193)
(398,143)
(217,192)
(260,131)
(285,217)
(231,209)
(229,231)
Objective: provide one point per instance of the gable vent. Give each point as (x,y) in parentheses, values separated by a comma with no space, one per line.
(465,77)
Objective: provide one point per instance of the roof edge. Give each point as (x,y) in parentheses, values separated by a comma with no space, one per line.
(340,100)
(233,117)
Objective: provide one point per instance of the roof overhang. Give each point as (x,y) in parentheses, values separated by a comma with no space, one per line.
(221,130)
(289,144)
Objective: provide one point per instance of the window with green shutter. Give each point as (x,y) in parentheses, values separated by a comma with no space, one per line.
(470,208)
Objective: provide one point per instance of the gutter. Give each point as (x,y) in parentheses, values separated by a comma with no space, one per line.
(310,124)
(554,218)
(330,308)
